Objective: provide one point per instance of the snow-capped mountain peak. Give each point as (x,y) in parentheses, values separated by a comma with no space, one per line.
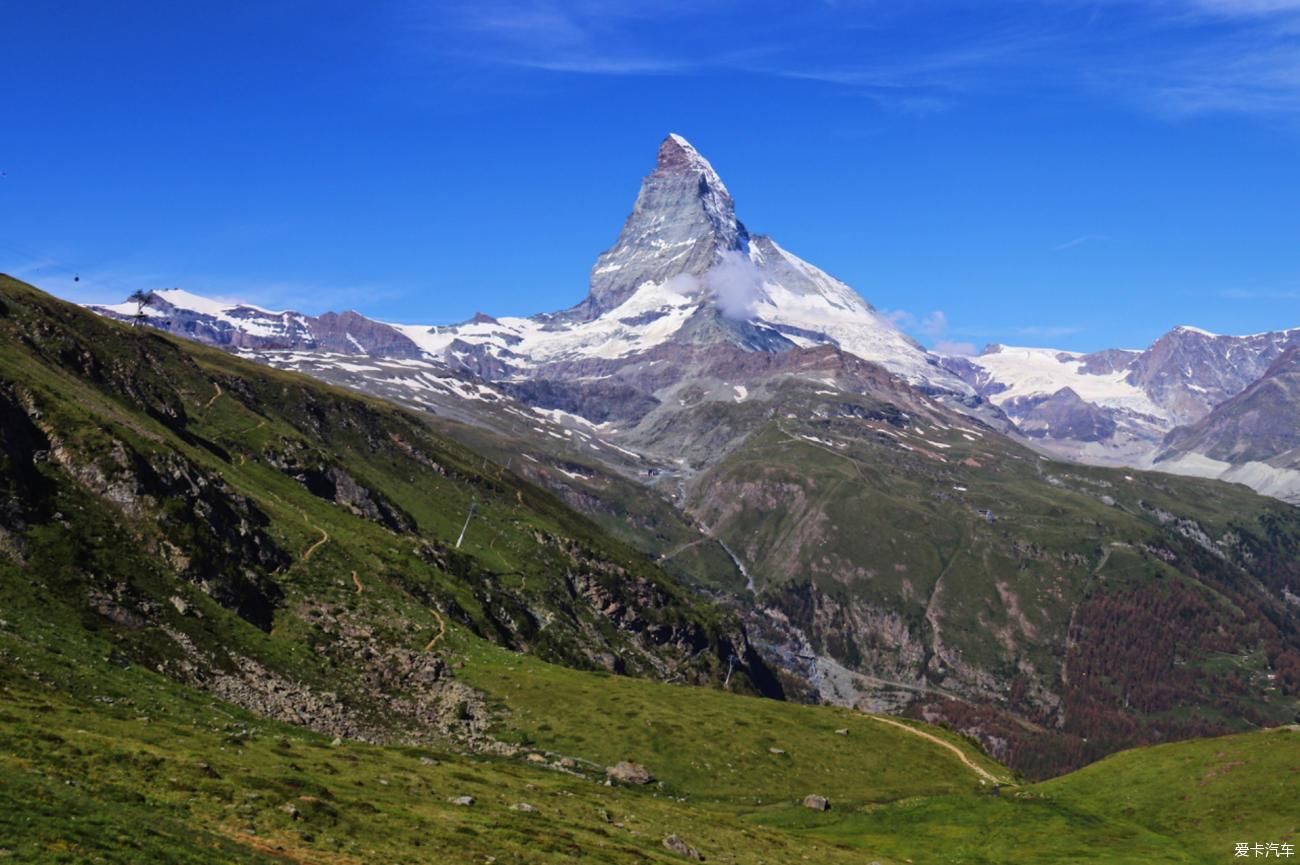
(1198,331)
(683,222)
(683,241)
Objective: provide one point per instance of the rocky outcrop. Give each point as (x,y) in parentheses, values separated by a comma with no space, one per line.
(24,491)
(353,333)
(208,533)
(337,485)
(630,773)
(1256,425)
(677,845)
(1063,415)
(413,692)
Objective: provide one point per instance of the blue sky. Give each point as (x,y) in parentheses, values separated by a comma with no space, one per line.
(1077,174)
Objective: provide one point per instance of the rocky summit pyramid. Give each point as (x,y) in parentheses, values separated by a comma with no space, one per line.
(683,222)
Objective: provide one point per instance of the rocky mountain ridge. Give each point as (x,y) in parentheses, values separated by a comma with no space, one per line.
(1251,438)
(244,326)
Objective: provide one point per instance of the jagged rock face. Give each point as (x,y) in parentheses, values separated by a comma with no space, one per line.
(1106,361)
(352,333)
(683,222)
(1258,424)
(1190,371)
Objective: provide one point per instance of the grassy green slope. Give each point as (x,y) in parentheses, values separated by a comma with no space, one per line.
(714,746)
(120,765)
(108,784)
(274,539)
(1189,802)
(627,510)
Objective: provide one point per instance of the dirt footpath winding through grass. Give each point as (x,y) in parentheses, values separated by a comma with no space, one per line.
(684,547)
(324,539)
(356,582)
(961,755)
(208,404)
(442,630)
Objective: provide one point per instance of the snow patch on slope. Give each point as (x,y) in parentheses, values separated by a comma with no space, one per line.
(649,317)
(1035,372)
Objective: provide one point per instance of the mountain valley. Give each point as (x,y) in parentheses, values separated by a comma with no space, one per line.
(211,568)
(888,524)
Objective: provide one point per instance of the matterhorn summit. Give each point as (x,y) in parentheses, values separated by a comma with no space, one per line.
(685,269)
(683,222)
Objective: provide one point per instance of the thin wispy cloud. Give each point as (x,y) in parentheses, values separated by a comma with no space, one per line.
(1248,7)
(1259,294)
(933,326)
(587,38)
(1047,330)
(1254,73)
(960,349)
(536,24)
(1175,58)
(1211,57)
(600,65)
(111,283)
(1081,240)
(947,68)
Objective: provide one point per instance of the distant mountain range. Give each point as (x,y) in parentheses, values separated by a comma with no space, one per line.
(1138,408)
(892,524)
(686,274)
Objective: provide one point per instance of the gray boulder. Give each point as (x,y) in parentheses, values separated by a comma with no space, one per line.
(628,772)
(675,844)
